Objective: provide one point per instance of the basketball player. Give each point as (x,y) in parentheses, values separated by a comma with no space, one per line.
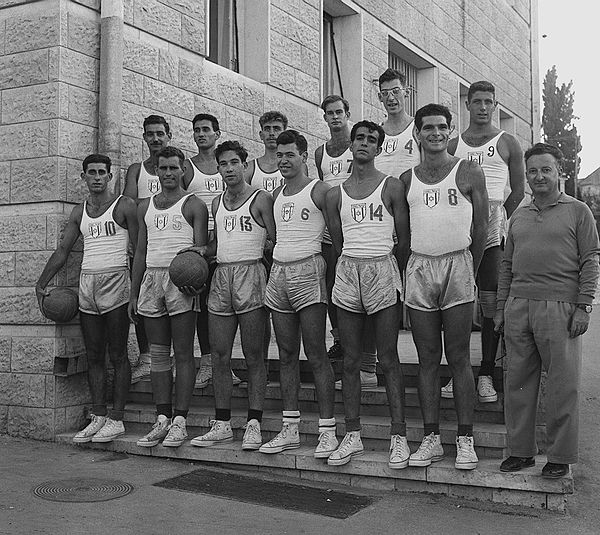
(448,207)
(501,159)
(107,223)
(168,222)
(262,172)
(364,212)
(400,150)
(141,182)
(297,295)
(202,179)
(243,216)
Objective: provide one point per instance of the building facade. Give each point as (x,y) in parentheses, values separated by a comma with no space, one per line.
(79,76)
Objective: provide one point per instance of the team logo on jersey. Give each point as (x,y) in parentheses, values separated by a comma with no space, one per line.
(153,185)
(161,220)
(95,230)
(229,222)
(287,210)
(359,211)
(431,197)
(390,146)
(212,184)
(476,156)
(335,167)
(269,184)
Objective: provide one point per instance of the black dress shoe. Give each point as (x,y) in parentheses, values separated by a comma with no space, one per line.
(514,464)
(555,470)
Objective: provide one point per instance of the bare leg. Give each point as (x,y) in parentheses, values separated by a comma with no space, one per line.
(287,334)
(117,326)
(94,337)
(159,332)
(251,324)
(182,330)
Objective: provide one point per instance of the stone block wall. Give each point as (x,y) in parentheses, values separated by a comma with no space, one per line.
(49,84)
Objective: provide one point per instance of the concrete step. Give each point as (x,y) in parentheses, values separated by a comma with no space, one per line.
(373,402)
(486,483)
(490,438)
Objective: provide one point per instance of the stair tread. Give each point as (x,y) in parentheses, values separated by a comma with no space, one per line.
(371,463)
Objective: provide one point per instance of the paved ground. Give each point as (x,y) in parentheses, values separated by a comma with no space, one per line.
(152,510)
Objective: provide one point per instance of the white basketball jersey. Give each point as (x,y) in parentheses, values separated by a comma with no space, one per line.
(367,226)
(299,224)
(398,153)
(147,184)
(206,187)
(440,216)
(336,170)
(494,167)
(263,180)
(105,242)
(239,236)
(168,233)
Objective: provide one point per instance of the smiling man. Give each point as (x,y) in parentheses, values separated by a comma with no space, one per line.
(501,159)
(243,218)
(169,222)
(297,296)
(546,288)
(400,150)
(448,207)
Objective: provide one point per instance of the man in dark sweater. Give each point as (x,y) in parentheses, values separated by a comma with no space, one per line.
(547,282)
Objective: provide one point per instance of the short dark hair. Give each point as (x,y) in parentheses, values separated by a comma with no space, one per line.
(372,127)
(234,146)
(392,74)
(272,115)
(96,158)
(330,99)
(169,152)
(545,148)
(432,109)
(157,119)
(207,117)
(293,136)
(482,85)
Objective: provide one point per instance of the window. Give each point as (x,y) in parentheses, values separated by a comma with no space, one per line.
(223,34)
(341,53)
(396,62)
(420,75)
(332,78)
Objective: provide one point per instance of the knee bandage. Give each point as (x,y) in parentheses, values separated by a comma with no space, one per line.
(160,358)
(487,301)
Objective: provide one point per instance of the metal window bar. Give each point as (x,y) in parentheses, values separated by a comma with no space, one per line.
(410,71)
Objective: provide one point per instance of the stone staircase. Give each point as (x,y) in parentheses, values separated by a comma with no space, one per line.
(486,483)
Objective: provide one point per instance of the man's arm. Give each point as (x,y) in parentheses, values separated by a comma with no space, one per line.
(452,145)
(262,210)
(188,174)
(126,216)
(319,197)
(131,180)
(396,190)
(504,280)
(516,173)
(334,223)
(319,160)
(139,260)
(479,199)
(61,254)
(249,171)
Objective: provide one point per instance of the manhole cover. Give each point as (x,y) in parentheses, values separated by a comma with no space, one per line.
(82,490)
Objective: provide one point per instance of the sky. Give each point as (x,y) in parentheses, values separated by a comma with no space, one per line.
(571,30)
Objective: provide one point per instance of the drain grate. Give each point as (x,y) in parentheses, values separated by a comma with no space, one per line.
(82,490)
(290,496)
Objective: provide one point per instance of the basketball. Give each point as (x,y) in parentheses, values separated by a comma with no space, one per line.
(61,305)
(188,269)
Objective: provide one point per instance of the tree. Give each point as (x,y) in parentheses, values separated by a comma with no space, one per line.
(557,123)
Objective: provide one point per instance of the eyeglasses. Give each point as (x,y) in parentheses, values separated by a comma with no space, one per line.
(396,91)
